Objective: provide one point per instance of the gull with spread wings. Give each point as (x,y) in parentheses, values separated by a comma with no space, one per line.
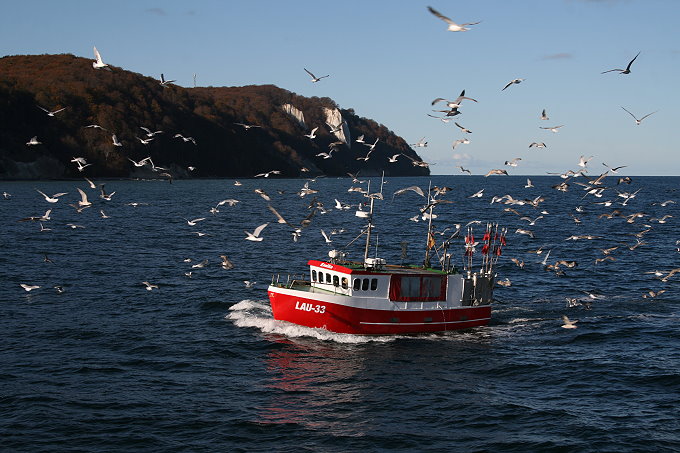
(623,71)
(452,25)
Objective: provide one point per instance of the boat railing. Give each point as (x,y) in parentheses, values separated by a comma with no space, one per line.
(291,280)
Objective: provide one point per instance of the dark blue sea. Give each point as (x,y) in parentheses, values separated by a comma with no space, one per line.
(199,364)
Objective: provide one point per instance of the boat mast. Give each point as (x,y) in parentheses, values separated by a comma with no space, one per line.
(428,240)
(370,215)
(370,223)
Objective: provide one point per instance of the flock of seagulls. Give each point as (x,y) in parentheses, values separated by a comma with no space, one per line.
(594,188)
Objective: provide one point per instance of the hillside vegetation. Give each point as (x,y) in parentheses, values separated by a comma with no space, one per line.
(122,102)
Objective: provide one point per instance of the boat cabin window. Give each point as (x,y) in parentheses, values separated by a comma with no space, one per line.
(328,278)
(344,282)
(313,276)
(336,280)
(364,284)
(417,287)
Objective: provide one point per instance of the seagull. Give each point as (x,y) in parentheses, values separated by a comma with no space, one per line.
(246,126)
(144,141)
(360,139)
(186,139)
(415,189)
(529,184)
(511,82)
(325,236)
(452,25)
(553,129)
(54,198)
(568,324)
(372,147)
(269,173)
(454,105)
(464,170)
(263,194)
(95,126)
(29,287)
(255,235)
(583,161)
(82,166)
(477,194)
(103,195)
(249,284)
(98,63)
(226,263)
(614,169)
(420,143)
(513,162)
(311,135)
(327,155)
(527,232)
(460,141)
(315,78)
(148,131)
(115,141)
(194,221)
(52,113)
(33,141)
(92,186)
(463,129)
(149,286)
(103,214)
(141,163)
(623,71)
(537,145)
(44,218)
(638,121)
(200,265)
(83,198)
(496,172)
(393,159)
(165,83)
(544,116)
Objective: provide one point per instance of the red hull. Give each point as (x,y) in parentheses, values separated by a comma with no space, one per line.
(344,319)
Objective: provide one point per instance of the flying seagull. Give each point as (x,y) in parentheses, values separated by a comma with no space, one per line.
(568,324)
(315,78)
(511,82)
(463,129)
(54,198)
(553,129)
(98,63)
(452,25)
(33,141)
(454,104)
(623,71)
(638,121)
(255,235)
(51,113)
(165,83)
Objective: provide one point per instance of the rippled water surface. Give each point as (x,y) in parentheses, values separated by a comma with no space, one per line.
(198,364)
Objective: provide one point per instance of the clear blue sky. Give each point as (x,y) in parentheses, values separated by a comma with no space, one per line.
(388,60)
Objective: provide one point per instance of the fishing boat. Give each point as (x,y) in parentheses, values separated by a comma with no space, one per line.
(373,297)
